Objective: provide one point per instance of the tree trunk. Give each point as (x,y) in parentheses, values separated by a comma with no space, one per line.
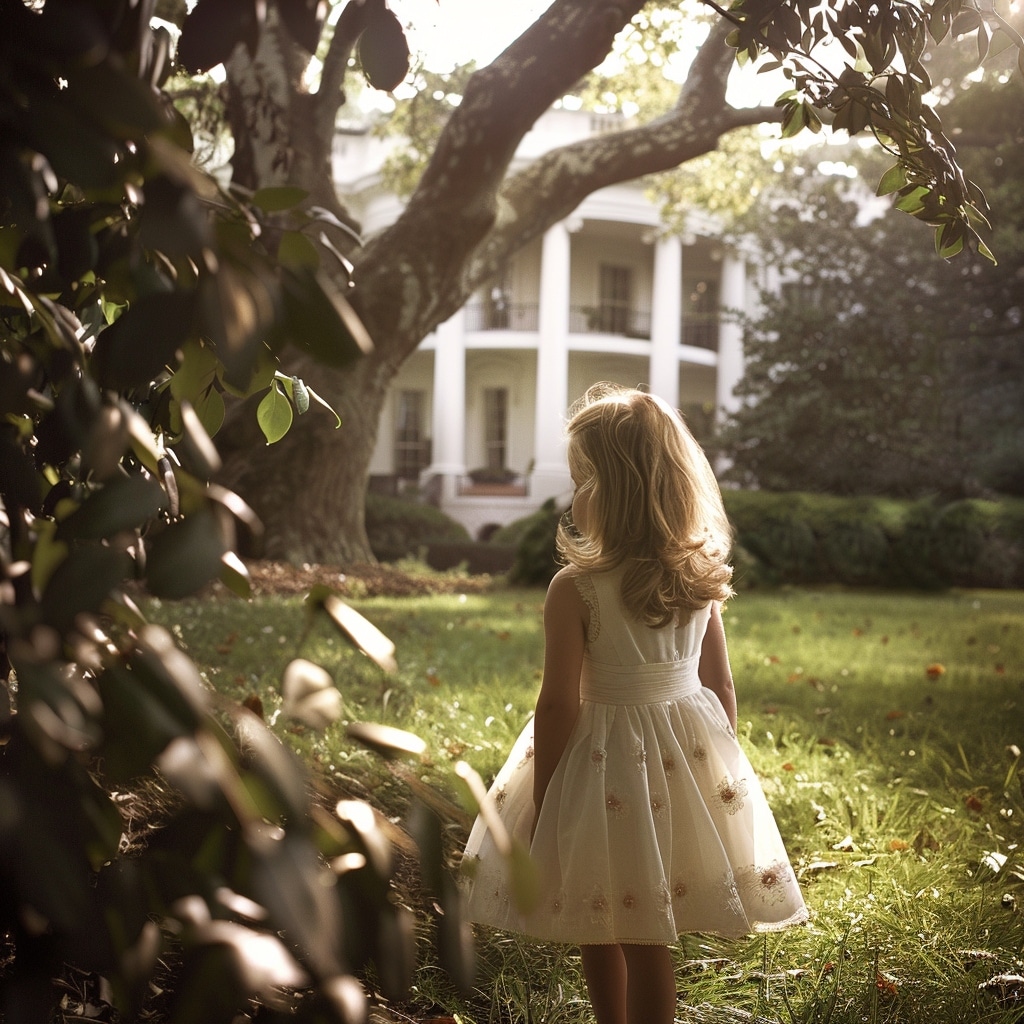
(309,488)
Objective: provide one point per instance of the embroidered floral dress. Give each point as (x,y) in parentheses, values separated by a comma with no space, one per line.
(653,823)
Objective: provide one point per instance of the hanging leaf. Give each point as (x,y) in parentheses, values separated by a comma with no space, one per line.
(213,29)
(383,49)
(304,20)
(274,414)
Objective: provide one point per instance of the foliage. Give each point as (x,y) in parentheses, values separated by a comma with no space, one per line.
(418,121)
(877,368)
(137,299)
(793,537)
(535,560)
(400,527)
(884,727)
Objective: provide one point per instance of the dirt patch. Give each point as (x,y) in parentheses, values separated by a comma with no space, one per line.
(363,580)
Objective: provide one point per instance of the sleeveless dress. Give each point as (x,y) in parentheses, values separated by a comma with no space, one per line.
(653,823)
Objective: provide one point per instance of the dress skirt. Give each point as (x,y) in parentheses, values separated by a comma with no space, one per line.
(653,824)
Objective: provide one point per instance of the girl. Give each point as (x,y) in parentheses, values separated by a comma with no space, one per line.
(642,813)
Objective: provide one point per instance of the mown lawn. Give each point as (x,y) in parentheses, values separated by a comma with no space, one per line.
(886,729)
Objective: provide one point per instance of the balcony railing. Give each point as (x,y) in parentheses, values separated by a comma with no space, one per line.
(698,329)
(701,330)
(510,316)
(627,323)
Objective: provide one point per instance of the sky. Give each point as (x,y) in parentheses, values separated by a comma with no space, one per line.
(450,32)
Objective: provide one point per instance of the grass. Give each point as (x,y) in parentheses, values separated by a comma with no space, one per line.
(885,728)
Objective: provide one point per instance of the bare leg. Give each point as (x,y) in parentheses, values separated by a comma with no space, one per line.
(604,967)
(651,985)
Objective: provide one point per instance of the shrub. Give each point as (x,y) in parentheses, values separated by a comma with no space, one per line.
(399,528)
(535,560)
(817,538)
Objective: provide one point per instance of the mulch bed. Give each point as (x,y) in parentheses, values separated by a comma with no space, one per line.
(362,580)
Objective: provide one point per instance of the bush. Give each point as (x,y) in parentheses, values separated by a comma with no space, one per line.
(535,560)
(398,528)
(802,538)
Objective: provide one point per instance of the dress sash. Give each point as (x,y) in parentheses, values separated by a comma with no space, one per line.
(639,684)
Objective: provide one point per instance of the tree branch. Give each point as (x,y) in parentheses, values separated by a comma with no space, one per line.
(551,187)
(455,202)
(331,93)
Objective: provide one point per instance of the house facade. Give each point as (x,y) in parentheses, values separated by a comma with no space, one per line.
(475,416)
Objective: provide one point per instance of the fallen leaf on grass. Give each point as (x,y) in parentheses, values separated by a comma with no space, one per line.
(973,803)
(924,840)
(817,866)
(788,767)
(1008,989)
(886,984)
(898,845)
(934,670)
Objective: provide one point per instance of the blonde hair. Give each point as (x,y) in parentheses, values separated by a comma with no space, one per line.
(654,505)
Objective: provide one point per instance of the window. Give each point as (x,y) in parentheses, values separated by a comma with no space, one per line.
(411,455)
(614,299)
(495,427)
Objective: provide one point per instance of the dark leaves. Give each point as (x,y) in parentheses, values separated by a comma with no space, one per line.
(383,49)
(214,28)
(143,340)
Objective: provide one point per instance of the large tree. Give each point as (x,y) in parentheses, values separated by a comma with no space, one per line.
(876,368)
(469,213)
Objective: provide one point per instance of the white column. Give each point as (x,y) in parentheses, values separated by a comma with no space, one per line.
(666,319)
(550,472)
(448,459)
(733,297)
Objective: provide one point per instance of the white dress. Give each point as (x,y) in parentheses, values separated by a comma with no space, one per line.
(653,823)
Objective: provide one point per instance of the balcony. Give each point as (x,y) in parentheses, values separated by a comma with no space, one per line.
(504,316)
(701,330)
(618,320)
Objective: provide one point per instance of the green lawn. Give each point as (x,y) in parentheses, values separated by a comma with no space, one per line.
(885,728)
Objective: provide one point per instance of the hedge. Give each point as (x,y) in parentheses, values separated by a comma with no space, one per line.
(812,538)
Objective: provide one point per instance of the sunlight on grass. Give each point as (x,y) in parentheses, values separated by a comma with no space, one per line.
(885,727)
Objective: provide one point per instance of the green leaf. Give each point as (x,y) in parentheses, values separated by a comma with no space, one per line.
(296,250)
(185,556)
(276,198)
(893,180)
(326,405)
(274,414)
(81,583)
(912,202)
(123,504)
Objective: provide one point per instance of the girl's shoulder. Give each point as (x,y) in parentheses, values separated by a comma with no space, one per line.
(569,594)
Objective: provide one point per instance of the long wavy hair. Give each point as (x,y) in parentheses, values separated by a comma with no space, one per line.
(654,505)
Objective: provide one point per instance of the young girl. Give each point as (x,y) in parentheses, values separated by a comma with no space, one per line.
(642,813)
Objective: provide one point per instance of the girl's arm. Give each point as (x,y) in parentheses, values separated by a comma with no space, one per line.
(558,703)
(714,670)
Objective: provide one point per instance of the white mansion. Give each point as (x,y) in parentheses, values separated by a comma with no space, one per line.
(476,414)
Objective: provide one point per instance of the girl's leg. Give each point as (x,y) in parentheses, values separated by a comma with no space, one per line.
(604,967)
(650,986)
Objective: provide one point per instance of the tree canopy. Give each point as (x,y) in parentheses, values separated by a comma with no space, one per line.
(876,368)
